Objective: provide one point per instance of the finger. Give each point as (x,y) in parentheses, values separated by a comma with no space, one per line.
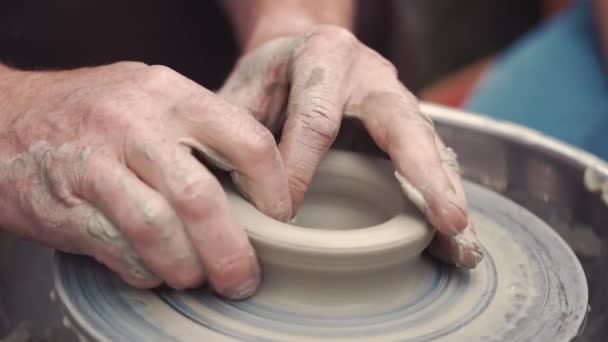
(396,124)
(259,81)
(464,249)
(314,112)
(226,134)
(147,220)
(109,246)
(199,200)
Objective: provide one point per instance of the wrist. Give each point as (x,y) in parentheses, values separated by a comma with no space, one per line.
(268,27)
(258,21)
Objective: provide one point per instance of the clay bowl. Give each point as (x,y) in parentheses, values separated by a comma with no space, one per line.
(347,238)
(350,221)
(505,158)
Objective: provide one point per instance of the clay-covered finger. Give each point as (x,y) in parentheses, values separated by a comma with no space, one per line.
(150,224)
(396,124)
(236,141)
(198,198)
(106,243)
(314,110)
(463,249)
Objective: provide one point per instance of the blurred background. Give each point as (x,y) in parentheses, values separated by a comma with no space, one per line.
(429,40)
(533,62)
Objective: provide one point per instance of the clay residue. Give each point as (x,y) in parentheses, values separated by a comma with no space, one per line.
(467,252)
(100,228)
(316,77)
(466,249)
(449,157)
(596,180)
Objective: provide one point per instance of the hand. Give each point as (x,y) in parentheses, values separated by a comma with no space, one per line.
(97,161)
(305,84)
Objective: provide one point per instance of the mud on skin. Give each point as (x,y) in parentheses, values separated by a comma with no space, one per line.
(109,148)
(305,83)
(96,164)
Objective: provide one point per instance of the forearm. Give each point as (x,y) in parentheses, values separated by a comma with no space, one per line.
(257,21)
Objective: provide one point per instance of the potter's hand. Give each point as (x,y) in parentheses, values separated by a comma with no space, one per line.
(305,83)
(97,161)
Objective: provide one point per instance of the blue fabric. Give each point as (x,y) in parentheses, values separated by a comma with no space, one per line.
(554,81)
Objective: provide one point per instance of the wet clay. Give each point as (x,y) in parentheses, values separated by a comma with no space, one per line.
(350,268)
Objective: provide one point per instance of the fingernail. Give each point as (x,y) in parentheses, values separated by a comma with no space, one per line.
(454,214)
(450,159)
(248,288)
(469,252)
(474,257)
(282,211)
(278,209)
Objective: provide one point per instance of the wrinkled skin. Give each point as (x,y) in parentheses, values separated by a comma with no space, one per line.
(95,161)
(98,161)
(305,84)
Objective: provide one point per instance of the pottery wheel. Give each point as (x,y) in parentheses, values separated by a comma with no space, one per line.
(529,287)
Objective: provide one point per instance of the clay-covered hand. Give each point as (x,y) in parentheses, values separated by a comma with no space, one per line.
(97,161)
(305,84)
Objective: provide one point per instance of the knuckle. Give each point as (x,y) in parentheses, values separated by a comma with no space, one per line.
(334,35)
(388,66)
(158,74)
(319,120)
(156,212)
(260,144)
(109,109)
(89,183)
(142,234)
(380,61)
(152,225)
(199,197)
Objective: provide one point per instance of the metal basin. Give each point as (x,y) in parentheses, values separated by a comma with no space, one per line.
(539,173)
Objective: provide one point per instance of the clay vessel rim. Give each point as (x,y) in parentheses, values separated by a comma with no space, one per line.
(406,228)
(396,232)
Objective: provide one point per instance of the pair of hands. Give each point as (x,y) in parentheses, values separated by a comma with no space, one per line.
(98,160)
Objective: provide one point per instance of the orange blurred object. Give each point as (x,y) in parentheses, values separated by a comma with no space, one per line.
(454,89)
